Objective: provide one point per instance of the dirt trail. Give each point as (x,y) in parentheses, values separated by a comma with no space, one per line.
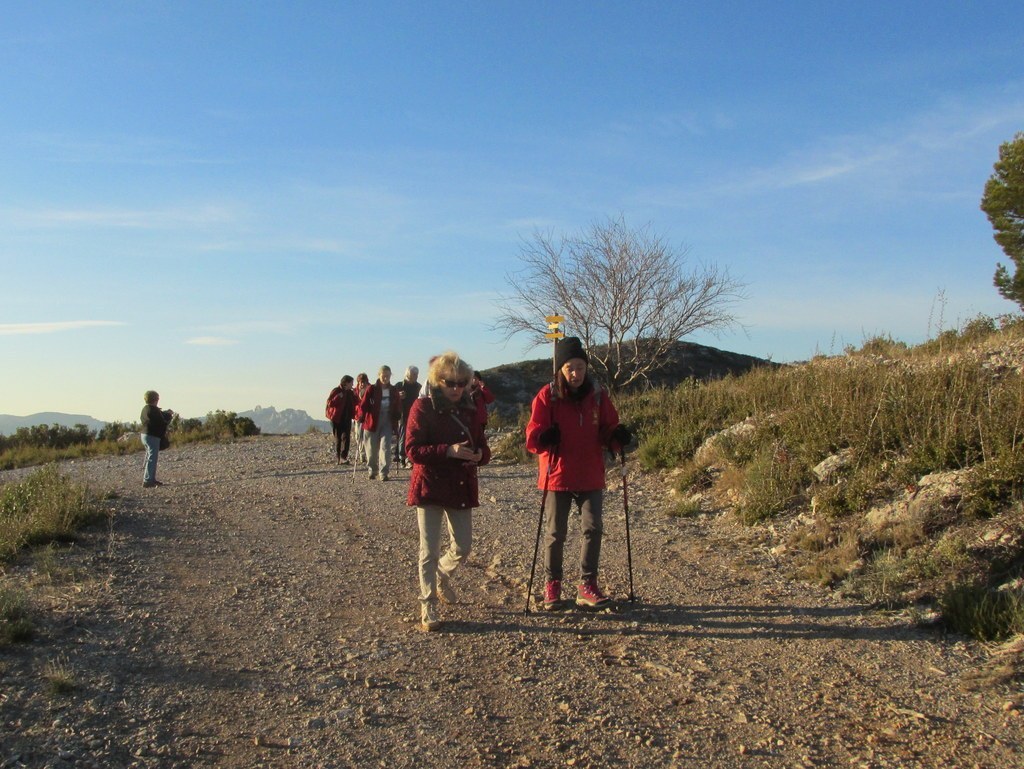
(259,610)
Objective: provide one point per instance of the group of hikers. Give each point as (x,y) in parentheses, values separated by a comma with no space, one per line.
(438,429)
(378,413)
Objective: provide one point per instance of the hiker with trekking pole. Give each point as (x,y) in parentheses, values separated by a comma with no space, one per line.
(340,409)
(572,422)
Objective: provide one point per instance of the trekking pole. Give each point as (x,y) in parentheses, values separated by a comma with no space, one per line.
(625,507)
(540,525)
(354,449)
(554,334)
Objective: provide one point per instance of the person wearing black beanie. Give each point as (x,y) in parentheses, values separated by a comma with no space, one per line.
(568,348)
(572,422)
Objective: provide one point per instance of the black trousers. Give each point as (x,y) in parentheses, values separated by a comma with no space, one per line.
(342,436)
(556,510)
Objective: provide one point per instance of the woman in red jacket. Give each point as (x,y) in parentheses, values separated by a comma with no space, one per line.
(362,385)
(572,421)
(381,407)
(445,443)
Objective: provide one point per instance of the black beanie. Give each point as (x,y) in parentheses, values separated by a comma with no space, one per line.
(568,348)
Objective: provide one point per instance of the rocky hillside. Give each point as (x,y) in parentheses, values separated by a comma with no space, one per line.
(515,384)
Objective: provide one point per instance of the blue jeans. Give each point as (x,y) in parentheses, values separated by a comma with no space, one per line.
(152,444)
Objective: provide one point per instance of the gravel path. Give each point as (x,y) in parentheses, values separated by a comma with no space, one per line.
(260,610)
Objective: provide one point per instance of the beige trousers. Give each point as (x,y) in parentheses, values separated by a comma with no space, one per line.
(460,533)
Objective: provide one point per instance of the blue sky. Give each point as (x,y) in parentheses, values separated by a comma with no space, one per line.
(235,203)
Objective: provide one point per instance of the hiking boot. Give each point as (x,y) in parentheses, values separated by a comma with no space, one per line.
(429,621)
(445,589)
(552,595)
(589,594)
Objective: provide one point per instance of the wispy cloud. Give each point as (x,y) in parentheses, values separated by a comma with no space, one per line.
(121,218)
(894,151)
(211,341)
(20,329)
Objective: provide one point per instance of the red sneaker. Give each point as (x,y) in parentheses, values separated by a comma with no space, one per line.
(552,595)
(589,594)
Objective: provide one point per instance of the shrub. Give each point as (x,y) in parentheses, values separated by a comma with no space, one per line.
(985,614)
(882,345)
(44,507)
(661,450)
(218,426)
(686,507)
(15,624)
(510,447)
(773,483)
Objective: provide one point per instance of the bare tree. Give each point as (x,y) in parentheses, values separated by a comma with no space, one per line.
(624,292)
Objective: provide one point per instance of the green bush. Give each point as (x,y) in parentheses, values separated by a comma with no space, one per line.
(15,623)
(773,483)
(44,507)
(218,426)
(982,613)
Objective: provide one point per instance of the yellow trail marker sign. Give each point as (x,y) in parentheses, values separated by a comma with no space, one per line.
(555,335)
(555,318)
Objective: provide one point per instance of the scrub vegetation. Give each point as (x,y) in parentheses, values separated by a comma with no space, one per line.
(40,444)
(892,473)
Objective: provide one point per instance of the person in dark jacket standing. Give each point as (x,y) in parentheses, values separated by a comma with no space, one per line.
(572,421)
(445,443)
(154,429)
(382,411)
(341,408)
(410,389)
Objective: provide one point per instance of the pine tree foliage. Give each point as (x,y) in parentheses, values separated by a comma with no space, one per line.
(1003,203)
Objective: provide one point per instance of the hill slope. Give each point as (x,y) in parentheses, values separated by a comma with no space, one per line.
(515,384)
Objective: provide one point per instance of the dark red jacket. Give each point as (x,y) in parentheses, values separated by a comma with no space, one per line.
(370,407)
(586,425)
(346,404)
(482,397)
(437,479)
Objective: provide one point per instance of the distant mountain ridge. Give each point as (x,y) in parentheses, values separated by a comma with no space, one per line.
(269,420)
(284,422)
(10,424)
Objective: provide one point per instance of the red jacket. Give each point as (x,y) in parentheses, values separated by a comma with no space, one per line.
(482,397)
(358,414)
(345,404)
(586,425)
(369,406)
(437,479)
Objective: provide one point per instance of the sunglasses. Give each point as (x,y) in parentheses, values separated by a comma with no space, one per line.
(453,383)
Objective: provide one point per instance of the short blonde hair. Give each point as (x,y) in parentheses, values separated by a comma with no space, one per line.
(448,366)
(151,396)
(381,370)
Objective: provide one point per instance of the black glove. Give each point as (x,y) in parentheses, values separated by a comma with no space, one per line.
(551,437)
(622,436)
